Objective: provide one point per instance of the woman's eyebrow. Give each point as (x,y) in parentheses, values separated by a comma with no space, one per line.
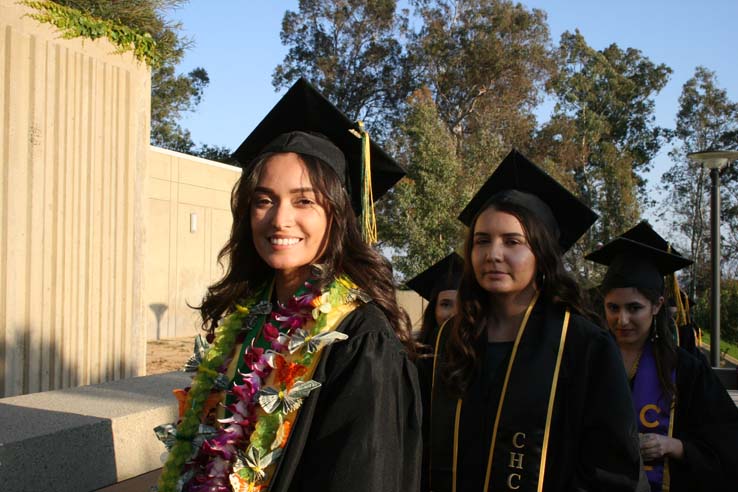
(302,190)
(294,191)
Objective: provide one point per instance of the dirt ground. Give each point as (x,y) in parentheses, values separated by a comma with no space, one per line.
(168,354)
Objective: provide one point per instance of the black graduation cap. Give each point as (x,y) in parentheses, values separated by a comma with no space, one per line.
(443,275)
(645,234)
(523,182)
(634,264)
(304,121)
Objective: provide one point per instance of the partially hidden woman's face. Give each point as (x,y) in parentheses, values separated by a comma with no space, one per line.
(502,259)
(445,306)
(630,315)
(288,223)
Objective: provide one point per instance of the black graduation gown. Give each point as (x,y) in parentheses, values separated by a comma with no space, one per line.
(593,445)
(706,421)
(360,431)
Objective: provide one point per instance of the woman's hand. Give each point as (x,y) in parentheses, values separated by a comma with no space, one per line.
(656,446)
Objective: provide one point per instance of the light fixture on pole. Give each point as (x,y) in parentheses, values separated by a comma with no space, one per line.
(714,160)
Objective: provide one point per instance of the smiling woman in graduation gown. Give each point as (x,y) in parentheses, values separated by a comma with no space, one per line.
(687,421)
(310,366)
(540,402)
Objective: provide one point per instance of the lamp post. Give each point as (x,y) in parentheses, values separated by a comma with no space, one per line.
(714,161)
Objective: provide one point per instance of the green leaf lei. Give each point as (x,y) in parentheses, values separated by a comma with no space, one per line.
(225,339)
(261,451)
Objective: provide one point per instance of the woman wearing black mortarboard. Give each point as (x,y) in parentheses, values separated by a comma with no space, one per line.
(680,323)
(438,285)
(527,393)
(687,422)
(311,355)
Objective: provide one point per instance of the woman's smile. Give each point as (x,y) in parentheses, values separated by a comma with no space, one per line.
(279,242)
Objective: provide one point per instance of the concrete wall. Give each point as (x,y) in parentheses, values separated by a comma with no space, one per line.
(188,220)
(74,133)
(82,439)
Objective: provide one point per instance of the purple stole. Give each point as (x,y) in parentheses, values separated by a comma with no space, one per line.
(654,413)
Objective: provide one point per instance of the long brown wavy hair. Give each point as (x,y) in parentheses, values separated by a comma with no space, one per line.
(664,346)
(345,252)
(468,332)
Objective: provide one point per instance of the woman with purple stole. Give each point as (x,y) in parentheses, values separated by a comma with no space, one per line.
(527,394)
(688,425)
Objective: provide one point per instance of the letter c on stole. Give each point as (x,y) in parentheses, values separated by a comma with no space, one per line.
(517,435)
(510,484)
(651,424)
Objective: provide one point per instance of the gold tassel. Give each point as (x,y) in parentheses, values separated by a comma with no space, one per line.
(682,316)
(368,217)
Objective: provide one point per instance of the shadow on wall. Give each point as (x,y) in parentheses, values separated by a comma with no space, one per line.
(159,309)
(32,360)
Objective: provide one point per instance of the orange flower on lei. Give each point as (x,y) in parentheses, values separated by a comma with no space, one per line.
(287,372)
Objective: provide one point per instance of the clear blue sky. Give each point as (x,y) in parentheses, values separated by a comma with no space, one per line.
(238,43)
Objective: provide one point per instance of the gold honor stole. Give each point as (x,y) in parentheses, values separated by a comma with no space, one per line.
(518,443)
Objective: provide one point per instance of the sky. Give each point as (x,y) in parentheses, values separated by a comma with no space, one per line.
(237,42)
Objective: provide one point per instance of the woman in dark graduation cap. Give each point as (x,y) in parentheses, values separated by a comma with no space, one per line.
(438,285)
(527,393)
(679,317)
(687,422)
(310,353)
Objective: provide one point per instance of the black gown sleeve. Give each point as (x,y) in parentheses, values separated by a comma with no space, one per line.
(706,421)
(608,456)
(362,430)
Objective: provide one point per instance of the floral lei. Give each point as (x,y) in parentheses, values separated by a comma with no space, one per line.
(238,455)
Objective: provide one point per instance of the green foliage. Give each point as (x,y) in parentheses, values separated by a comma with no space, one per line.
(215,153)
(726,348)
(419,219)
(485,62)
(75,24)
(171,96)
(332,42)
(728,311)
(707,118)
(603,129)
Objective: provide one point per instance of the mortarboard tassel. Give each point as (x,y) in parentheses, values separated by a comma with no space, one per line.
(682,318)
(368,217)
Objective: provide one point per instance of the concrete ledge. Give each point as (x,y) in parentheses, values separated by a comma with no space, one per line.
(82,439)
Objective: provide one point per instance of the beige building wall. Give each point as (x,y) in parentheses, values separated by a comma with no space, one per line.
(188,220)
(74,132)
(414,304)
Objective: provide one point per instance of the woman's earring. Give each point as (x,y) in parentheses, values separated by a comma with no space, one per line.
(654,331)
(540,280)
